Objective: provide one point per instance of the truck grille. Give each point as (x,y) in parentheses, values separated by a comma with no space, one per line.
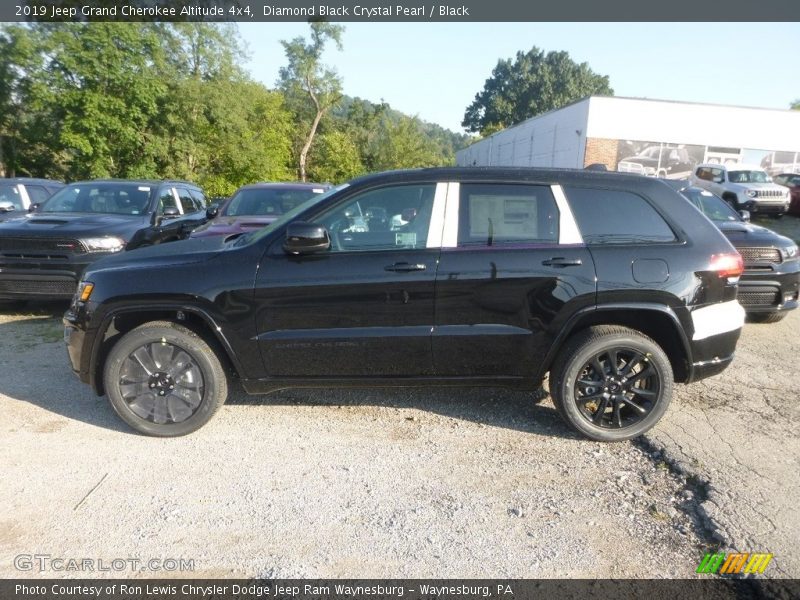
(756,255)
(771,194)
(13,247)
(54,287)
(758,296)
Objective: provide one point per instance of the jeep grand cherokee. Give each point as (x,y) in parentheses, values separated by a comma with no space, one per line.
(614,284)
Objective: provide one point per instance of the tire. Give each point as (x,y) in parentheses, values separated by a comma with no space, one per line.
(772,317)
(166,354)
(731,200)
(640,401)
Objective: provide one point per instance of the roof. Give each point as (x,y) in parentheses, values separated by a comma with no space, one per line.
(29,180)
(152,182)
(519,174)
(298,185)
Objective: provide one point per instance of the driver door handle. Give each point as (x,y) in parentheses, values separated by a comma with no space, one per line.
(560,261)
(404,267)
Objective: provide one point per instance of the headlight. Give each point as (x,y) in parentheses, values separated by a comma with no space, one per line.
(789,252)
(85,289)
(103,244)
(751,193)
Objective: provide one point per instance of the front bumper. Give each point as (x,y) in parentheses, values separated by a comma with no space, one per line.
(756,207)
(771,291)
(22,279)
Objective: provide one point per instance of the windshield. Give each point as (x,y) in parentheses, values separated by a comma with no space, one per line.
(10,193)
(106,197)
(288,216)
(714,207)
(264,201)
(748,177)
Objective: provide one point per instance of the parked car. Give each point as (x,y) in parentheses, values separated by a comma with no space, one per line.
(44,253)
(744,187)
(769,286)
(256,205)
(19,193)
(658,161)
(791,181)
(476,276)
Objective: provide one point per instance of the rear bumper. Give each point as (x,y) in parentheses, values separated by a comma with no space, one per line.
(717,328)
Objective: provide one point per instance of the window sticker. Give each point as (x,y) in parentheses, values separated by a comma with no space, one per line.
(405,239)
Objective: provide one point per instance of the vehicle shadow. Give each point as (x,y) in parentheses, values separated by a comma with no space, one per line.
(38,372)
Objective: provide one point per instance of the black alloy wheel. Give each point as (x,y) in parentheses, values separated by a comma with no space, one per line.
(611,383)
(164,379)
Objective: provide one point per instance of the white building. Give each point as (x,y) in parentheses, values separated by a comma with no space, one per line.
(653,137)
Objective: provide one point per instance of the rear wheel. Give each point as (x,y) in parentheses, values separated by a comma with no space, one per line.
(773,317)
(164,380)
(611,383)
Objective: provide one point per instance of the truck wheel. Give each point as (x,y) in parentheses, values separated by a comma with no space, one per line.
(773,317)
(164,380)
(611,383)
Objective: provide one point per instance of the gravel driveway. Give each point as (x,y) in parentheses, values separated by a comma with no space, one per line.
(397,483)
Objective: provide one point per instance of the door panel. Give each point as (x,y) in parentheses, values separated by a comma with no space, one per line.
(366,307)
(506,288)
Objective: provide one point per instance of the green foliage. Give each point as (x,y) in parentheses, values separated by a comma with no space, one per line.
(795,105)
(84,100)
(311,87)
(532,84)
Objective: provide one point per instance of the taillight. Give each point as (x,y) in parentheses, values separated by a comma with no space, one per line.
(727,265)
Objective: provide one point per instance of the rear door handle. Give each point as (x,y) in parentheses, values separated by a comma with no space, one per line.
(404,267)
(560,262)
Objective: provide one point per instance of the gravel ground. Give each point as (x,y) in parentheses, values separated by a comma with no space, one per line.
(397,483)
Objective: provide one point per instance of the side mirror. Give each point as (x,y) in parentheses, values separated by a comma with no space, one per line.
(34,207)
(171,212)
(745,214)
(306,238)
(6,207)
(212,212)
(717,180)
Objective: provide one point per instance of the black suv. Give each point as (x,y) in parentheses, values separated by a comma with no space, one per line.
(18,194)
(771,281)
(614,284)
(44,253)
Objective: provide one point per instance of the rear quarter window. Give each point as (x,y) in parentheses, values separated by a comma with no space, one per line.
(616,217)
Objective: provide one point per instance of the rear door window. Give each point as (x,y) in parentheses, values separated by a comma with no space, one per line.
(495,214)
(616,217)
(37,193)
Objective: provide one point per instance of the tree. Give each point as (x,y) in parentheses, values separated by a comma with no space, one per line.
(336,158)
(530,85)
(402,144)
(309,84)
(795,105)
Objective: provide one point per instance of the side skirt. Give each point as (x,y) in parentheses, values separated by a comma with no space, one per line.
(266,386)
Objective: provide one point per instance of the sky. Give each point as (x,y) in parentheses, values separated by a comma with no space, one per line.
(434,70)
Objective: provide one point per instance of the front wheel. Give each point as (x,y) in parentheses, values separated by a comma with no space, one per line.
(164,380)
(611,383)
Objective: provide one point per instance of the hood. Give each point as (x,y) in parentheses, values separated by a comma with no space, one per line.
(173,253)
(228,225)
(74,225)
(758,186)
(747,234)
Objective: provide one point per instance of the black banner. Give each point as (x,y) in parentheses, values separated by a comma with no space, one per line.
(711,588)
(398,10)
